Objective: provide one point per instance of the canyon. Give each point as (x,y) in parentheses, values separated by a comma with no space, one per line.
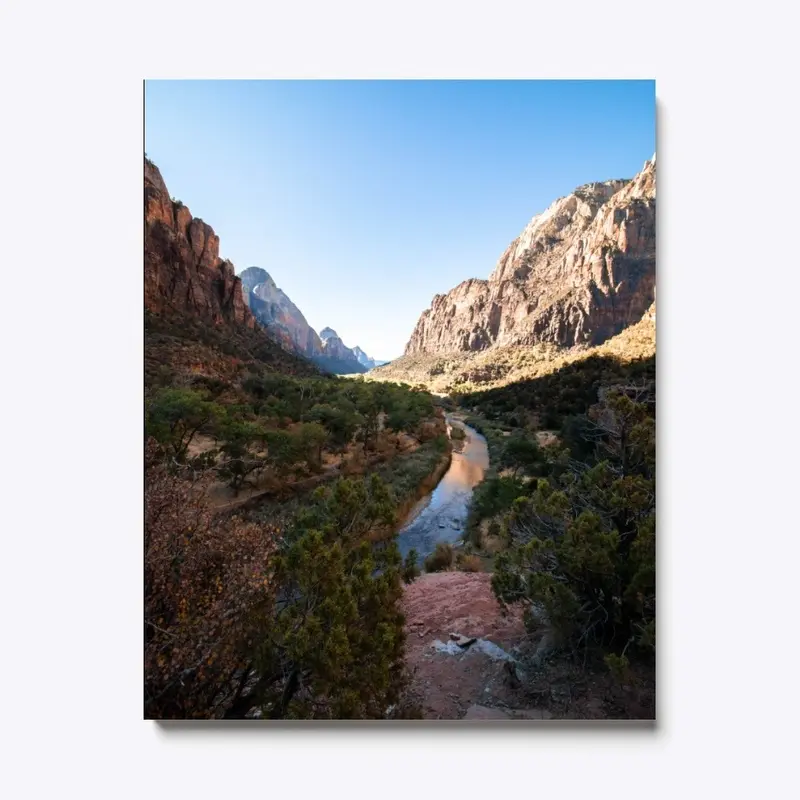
(187,282)
(233,356)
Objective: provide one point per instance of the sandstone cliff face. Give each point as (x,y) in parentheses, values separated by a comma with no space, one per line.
(273,309)
(183,272)
(579,273)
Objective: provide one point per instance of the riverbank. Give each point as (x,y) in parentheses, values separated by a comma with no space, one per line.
(441,516)
(406,510)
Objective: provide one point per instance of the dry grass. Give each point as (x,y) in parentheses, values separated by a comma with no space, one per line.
(440,559)
(469,563)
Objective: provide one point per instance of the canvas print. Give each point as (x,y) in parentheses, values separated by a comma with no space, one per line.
(399,381)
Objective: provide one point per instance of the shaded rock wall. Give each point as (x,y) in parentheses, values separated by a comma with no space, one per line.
(183,272)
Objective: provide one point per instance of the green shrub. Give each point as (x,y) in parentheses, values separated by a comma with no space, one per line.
(522,453)
(410,569)
(493,496)
(238,437)
(334,647)
(583,545)
(618,666)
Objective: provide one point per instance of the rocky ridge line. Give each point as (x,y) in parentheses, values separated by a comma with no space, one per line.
(579,273)
(182,269)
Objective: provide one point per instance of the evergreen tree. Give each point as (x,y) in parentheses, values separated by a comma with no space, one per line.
(583,545)
(337,640)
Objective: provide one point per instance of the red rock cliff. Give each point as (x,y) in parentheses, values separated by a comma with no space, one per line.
(183,272)
(579,273)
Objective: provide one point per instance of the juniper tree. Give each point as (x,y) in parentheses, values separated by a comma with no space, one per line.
(583,545)
(336,642)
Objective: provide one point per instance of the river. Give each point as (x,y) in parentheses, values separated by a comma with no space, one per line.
(441,516)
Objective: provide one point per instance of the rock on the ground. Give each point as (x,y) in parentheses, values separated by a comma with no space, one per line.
(447,678)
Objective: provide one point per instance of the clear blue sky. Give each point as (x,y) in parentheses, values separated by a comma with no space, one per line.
(364,199)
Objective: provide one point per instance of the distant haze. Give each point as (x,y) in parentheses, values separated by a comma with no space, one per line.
(364,199)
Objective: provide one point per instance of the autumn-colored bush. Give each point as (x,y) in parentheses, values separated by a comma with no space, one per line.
(440,559)
(430,430)
(208,584)
(242,617)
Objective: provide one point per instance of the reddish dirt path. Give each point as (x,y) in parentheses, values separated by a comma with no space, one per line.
(447,681)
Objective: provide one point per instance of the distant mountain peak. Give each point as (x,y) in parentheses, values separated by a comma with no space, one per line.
(186,281)
(253,276)
(273,308)
(365,360)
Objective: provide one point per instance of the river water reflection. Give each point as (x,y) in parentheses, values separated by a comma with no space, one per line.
(441,515)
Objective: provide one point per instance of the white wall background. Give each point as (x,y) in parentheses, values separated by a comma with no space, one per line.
(72,396)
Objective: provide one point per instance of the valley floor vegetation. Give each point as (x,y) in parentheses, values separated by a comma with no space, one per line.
(282,609)
(273,494)
(567,515)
